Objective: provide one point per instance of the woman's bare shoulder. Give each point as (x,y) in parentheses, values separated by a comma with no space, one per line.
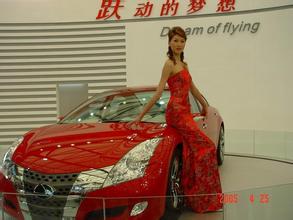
(186,66)
(168,67)
(169,63)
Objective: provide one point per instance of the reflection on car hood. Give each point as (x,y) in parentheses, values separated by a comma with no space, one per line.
(71,148)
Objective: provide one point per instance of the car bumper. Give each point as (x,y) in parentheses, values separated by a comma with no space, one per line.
(114,202)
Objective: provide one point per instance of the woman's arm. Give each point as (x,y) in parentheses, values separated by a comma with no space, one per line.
(167,70)
(198,96)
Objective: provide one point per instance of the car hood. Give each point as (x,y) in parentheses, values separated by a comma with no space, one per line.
(72,148)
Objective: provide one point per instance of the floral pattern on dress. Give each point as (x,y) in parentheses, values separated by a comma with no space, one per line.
(200,174)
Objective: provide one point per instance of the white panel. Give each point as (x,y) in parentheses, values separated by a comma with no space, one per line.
(15,133)
(8,61)
(112,84)
(41,33)
(27,120)
(63,79)
(24,93)
(26,113)
(64,27)
(36,57)
(80,52)
(11,107)
(26,126)
(50,86)
(65,92)
(26,100)
(79,64)
(7,139)
(64,46)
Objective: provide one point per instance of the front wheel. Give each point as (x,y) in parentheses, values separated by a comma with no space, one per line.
(174,199)
(221,146)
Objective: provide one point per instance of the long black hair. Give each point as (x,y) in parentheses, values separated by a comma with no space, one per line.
(172,32)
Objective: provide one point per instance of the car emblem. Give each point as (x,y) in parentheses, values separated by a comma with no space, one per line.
(44,191)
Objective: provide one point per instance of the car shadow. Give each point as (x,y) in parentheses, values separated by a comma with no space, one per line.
(176,214)
(171,215)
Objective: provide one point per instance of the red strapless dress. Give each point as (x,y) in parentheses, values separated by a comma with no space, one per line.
(200,173)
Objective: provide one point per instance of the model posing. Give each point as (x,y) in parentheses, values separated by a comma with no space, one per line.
(200,175)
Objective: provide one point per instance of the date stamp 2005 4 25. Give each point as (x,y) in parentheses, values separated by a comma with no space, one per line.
(234,198)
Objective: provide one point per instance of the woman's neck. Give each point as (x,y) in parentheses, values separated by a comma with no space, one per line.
(177,57)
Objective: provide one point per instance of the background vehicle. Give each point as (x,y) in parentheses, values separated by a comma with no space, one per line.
(92,164)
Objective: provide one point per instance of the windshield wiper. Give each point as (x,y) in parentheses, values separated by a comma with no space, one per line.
(111,120)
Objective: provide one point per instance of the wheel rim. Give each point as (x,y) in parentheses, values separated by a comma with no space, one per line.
(175,184)
(222,144)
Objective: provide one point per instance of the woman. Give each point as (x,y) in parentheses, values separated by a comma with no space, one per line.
(200,170)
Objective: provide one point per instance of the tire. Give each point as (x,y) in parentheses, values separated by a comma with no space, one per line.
(221,146)
(174,199)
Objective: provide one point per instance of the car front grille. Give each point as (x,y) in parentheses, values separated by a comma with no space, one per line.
(62,183)
(37,203)
(54,197)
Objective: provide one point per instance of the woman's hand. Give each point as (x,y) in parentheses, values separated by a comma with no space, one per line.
(134,125)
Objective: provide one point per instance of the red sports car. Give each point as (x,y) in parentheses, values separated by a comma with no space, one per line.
(92,165)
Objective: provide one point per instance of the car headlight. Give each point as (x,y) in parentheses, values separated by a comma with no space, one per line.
(133,164)
(7,164)
(90,180)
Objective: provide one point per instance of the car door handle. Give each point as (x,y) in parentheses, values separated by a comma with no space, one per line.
(198,118)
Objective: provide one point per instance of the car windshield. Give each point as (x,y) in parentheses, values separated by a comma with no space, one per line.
(119,107)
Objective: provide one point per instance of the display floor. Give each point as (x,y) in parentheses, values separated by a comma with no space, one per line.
(239,173)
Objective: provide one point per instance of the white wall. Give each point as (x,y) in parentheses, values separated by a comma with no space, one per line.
(78,10)
(248,76)
(47,10)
